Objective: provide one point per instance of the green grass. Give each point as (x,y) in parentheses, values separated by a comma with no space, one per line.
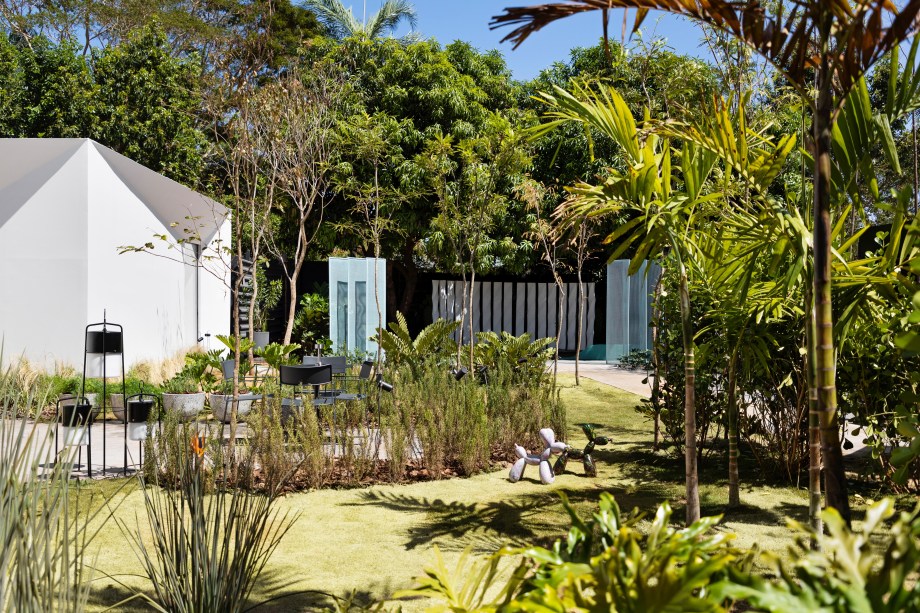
(375,540)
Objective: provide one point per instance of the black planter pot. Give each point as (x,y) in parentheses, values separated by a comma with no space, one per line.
(76,414)
(138,408)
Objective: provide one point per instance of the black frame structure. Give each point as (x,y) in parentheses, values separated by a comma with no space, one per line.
(100,339)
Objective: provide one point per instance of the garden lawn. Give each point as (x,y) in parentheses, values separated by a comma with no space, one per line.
(373,541)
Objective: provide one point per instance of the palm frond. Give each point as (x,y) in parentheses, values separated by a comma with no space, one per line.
(859,32)
(391,14)
(338,19)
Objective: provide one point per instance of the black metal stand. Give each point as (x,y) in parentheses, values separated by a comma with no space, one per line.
(101,340)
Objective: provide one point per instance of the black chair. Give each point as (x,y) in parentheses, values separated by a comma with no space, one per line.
(301,376)
(339,364)
(367,367)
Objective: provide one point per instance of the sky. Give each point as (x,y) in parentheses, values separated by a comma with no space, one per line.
(468,20)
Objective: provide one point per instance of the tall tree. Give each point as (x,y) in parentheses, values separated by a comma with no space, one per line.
(340,22)
(822,47)
(147,102)
(307,105)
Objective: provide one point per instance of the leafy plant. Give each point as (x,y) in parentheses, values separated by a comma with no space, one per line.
(311,324)
(44,531)
(605,564)
(268,298)
(181,384)
(432,345)
(864,571)
(276,354)
(520,358)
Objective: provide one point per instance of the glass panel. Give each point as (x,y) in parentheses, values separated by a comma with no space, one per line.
(342,314)
(361,316)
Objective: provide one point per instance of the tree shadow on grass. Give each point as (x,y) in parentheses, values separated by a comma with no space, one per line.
(518,521)
(272,593)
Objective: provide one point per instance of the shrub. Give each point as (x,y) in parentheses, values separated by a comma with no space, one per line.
(871,570)
(432,347)
(605,564)
(210,539)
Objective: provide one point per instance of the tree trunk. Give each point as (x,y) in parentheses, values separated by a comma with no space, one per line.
(560,317)
(814,430)
(410,272)
(656,364)
(292,307)
(472,294)
(581,321)
(825,363)
(734,495)
(690,459)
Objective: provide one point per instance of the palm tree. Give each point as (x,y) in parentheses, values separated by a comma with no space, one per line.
(340,22)
(661,219)
(825,44)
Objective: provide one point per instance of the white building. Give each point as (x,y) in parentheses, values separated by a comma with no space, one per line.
(68,207)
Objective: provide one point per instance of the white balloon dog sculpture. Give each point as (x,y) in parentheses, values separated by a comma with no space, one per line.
(552,446)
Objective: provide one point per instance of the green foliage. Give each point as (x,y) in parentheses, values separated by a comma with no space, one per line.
(605,564)
(268,298)
(210,541)
(181,384)
(471,424)
(147,100)
(432,347)
(48,90)
(515,359)
(311,323)
(276,354)
(46,536)
(864,571)
(340,22)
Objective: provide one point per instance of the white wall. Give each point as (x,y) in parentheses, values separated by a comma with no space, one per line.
(43,264)
(60,268)
(214,292)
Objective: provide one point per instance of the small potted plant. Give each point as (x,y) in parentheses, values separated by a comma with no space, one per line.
(183,397)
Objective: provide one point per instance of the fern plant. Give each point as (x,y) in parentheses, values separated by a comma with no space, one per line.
(432,345)
(514,359)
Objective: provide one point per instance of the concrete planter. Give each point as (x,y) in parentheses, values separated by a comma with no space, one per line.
(260,338)
(185,406)
(222,404)
(117,403)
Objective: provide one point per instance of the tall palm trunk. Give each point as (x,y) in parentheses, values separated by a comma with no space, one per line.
(686,324)
(814,430)
(825,359)
(734,495)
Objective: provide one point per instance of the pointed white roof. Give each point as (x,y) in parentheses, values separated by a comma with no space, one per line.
(27,163)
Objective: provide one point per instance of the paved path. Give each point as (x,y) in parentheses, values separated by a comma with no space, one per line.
(629,380)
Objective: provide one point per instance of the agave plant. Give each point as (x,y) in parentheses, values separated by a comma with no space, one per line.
(433,344)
